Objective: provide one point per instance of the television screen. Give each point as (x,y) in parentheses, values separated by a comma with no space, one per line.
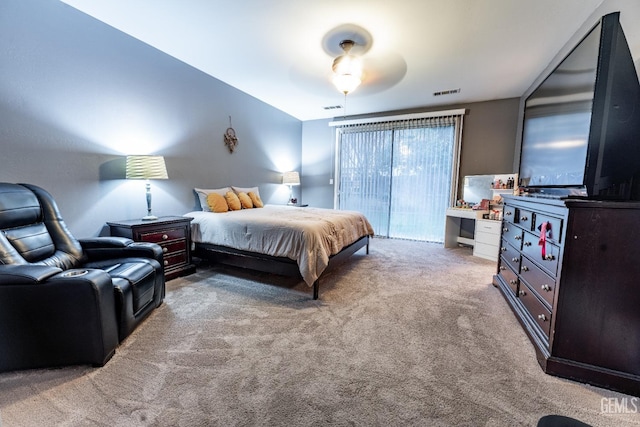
(557,120)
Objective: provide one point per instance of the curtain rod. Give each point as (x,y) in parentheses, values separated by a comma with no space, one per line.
(458,112)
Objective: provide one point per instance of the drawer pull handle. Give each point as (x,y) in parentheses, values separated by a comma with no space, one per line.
(549,257)
(165,237)
(505,229)
(524,268)
(503,268)
(527,243)
(509,213)
(524,218)
(518,237)
(515,259)
(546,288)
(522,293)
(166,262)
(503,249)
(513,282)
(542,317)
(165,250)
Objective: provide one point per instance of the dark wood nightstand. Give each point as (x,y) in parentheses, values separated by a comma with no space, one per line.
(172,233)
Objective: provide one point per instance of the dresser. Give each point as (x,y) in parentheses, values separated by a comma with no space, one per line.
(172,233)
(569,270)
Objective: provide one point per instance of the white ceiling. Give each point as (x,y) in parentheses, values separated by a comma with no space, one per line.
(281,51)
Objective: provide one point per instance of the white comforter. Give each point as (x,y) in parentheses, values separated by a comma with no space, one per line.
(308,235)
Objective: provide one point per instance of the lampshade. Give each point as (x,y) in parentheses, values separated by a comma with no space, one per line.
(146,167)
(291,178)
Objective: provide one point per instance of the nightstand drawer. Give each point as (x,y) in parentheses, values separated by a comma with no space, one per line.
(171,233)
(174,246)
(163,235)
(175,259)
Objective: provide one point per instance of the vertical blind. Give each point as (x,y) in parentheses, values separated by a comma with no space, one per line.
(401,174)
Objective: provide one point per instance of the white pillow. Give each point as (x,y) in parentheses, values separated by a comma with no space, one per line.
(246,190)
(203,193)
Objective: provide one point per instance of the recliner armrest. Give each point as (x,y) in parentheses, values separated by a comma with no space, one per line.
(101,248)
(105,242)
(26,274)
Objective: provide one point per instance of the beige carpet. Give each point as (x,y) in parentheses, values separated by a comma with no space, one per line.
(411,334)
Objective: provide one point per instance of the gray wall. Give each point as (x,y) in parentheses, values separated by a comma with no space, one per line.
(76,96)
(488,143)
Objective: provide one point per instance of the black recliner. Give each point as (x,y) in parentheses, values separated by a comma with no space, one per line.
(65,301)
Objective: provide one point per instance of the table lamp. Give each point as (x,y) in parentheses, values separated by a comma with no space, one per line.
(291,178)
(146,167)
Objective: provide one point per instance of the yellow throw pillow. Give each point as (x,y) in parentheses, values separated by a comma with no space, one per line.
(255,199)
(233,201)
(245,201)
(217,203)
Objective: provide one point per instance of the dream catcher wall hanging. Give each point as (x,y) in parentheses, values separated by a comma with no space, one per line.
(230,139)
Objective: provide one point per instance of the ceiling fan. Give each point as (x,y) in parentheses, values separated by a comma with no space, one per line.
(354,65)
(380,70)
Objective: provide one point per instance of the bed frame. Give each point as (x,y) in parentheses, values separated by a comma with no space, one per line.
(270,264)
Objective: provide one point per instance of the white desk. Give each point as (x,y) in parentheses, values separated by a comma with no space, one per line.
(483,235)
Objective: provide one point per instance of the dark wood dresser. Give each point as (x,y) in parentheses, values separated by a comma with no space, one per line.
(569,270)
(172,233)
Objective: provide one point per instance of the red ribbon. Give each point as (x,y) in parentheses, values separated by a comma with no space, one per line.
(544,227)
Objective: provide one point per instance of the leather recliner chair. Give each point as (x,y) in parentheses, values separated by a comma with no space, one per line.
(65,301)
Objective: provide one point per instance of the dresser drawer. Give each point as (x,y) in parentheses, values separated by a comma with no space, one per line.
(164,235)
(554,226)
(510,214)
(509,276)
(512,234)
(539,281)
(533,250)
(525,219)
(510,255)
(539,313)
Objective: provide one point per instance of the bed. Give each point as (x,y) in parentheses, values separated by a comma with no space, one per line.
(285,240)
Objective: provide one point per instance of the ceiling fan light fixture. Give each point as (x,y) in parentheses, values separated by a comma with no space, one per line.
(346,83)
(347,69)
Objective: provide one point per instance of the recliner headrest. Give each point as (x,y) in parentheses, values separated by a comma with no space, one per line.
(19,206)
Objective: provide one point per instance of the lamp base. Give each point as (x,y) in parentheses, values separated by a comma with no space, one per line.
(149,218)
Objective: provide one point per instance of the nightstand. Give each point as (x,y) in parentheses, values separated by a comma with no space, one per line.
(172,233)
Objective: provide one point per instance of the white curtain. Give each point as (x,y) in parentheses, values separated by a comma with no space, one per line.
(400,174)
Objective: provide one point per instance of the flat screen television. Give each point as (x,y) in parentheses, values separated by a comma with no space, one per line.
(581,130)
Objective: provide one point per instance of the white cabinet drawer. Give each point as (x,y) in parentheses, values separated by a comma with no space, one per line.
(486,251)
(488,238)
(488,226)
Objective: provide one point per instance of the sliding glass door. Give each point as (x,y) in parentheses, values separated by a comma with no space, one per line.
(400,175)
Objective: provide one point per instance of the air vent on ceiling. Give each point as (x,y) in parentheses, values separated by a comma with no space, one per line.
(333,107)
(446,92)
